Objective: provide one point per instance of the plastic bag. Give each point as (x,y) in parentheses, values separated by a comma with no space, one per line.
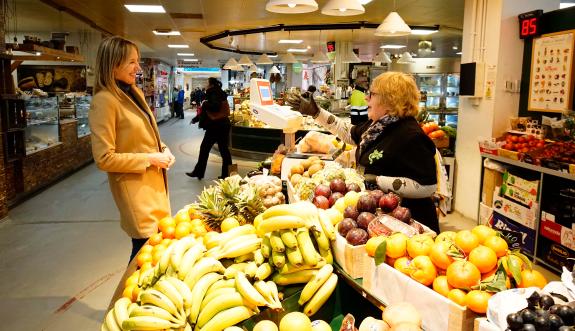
(348,323)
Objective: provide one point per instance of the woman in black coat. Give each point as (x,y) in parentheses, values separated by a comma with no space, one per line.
(217,131)
(393,153)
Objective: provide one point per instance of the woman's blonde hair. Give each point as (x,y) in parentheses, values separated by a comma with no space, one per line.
(112,52)
(398,93)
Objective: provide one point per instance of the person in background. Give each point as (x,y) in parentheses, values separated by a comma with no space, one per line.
(180,103)
(393,152)
(310,91)
(126,142)
(358,105)
(217,131)
(174,100)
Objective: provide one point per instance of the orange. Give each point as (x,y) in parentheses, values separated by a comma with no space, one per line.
(199,231)
(402,264)
(505,260)
(146,266)
(156,256)
(158,248)
(396,245)
(143,258)
(166,242)
(183,229)
(135,293)
(483,232)
(423,270)
(484,258)
(229,223)
(146,248)
(418,245)
(372,245)
(466,241)
(446,236)
(441,285)
(497,244)
(458,296)
(532,278)
(169,232)
(133,279)
(197,222)
(438,254)
(182,216)
(128,292)
(463,274)
(166,222)
(155,239)
(476,300)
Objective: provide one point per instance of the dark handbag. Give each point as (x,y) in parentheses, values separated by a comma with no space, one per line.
(222,113)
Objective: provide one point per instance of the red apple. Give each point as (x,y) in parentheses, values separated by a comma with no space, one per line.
(321,202)
(322,190)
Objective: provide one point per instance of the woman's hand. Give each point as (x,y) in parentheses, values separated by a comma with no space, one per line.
(170,156)
(160,160)
(302,105)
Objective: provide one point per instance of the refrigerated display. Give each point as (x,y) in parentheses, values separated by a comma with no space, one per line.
(440,96)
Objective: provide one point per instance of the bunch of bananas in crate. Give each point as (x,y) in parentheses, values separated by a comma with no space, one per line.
(222,279)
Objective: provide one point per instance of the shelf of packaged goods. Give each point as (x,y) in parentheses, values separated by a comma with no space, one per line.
(528,166)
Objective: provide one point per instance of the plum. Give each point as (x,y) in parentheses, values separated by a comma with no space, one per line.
(401,213)
(377,194)
(322,190)
(364,218)
(333,197)
(357,237)
(366,203)
(353,187)
(321,202)
(345,225)
(350,212)
(389,202)
(338,185)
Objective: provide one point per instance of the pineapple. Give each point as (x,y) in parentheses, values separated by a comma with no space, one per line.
(214,208)
(249,203)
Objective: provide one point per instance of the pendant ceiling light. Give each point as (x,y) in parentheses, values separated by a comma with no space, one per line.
(275,70)
(288,58)
(291,6)
(253,68)
(237,68)
(319,57)
(393,26)
(343,8)
(382,57)
(230,64)
(245,61)
(406,58)
(264,59)
(349,55)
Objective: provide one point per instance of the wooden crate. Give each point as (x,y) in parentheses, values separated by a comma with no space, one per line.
(439,313)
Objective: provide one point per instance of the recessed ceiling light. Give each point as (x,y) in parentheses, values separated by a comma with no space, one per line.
(290,41)
(390,46)
(272,56)
(191,60)
(185,54)
(458,53)
(145,9)
(422,32)
(454,47)
(178,46)
(166,33)
(297,50)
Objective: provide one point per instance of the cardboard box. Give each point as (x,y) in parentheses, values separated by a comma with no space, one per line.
(491,179)
(438,312)
(555,231)
(351,258)
(524,197)
(555,254)
(531,186)
(485,213)
(518,236)
(509,154)
(523,215)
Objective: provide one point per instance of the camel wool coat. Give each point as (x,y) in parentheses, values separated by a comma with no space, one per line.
(122,136)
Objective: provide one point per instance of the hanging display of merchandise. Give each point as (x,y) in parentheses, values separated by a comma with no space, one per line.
(155,82)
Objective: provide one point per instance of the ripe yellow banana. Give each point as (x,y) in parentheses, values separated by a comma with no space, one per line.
(294,256)
(251,269)
(159,299)
(278,259)
(276,242)
(164,261)
(104,327)
(315,283)
(266,292)
(171,292)
(326,224)
(121,310)
(217,305)
(144,323)
(263,271)
(320,238)
(180,247)
(210,295)
(327,256)
(131,307)
(110,321)
(299,277)
(199,292)
(304,209)
(183,289)
(202,267)
(276,223)
(154,311)
(258,257)
(236,232)
(308,252)
(212,241)
(275,294)
(146,277)
(266,248)
(288,238)
(189,259)
(289,268)
(246,257)
(236,240)
(234,328)
(248,291)
(240,248)
(223,283)
(227,318)
(321,296)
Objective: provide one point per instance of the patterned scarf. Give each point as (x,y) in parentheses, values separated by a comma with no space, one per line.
(375,130)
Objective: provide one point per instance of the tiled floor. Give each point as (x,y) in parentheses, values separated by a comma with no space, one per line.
(62,252)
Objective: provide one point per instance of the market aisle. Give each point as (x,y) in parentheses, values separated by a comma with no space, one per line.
(62,252)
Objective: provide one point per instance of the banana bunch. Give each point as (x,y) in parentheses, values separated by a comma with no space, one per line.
(292,216)
(318,290)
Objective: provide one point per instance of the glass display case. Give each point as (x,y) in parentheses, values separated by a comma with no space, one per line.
(42,121)
(82,104)
(440,96)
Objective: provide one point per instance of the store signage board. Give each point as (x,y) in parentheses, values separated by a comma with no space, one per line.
(529,24)
(551,82)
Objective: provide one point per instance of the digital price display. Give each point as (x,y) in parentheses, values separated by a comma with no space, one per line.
(529,24)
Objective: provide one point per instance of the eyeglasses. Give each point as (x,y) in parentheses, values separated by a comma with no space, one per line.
(371,93)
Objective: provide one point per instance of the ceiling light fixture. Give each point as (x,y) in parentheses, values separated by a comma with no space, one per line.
(245,61)
(393,26)
(297,50)
(231,64)
(290,41)
(349,56)
(264,59)
(288,58)
(424,30)
(406,58)
(382,57)
(319,56)
(179,46)
(145,9)
(291,6)
(391,46)
(343,8)
(190,60)
(458,53)
(185,54)
(166,32)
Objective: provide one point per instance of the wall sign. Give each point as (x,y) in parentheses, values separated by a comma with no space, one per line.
(551,83)
(529,24)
